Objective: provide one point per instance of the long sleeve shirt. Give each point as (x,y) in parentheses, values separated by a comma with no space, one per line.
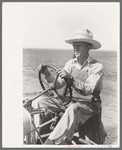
(87,77)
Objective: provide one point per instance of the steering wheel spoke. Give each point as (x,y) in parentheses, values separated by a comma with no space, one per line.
(61,93)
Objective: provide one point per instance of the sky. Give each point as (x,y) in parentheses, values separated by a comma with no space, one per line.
(48,25)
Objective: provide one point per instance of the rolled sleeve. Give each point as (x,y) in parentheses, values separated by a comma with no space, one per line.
(50,78)
(60,82)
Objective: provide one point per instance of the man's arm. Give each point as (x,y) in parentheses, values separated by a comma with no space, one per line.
(87,88)
(59,83)
(50,78)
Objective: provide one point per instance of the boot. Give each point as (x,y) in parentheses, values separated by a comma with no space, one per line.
(49,142)
(52,142)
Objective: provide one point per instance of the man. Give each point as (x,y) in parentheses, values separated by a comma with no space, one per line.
(85,75)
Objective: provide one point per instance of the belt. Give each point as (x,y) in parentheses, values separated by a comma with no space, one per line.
(95,97)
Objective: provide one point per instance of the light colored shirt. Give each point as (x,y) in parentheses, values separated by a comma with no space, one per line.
(87,83)
(87,77)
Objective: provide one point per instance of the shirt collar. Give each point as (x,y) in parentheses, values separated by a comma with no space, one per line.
(89,59)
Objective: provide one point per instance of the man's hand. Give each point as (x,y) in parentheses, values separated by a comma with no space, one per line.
(63,74)
(44,70)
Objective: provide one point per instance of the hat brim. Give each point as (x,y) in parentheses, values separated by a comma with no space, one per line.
(95,44)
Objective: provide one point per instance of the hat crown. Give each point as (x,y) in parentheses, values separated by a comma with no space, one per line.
(85,33)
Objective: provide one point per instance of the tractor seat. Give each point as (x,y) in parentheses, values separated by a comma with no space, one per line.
(93,129)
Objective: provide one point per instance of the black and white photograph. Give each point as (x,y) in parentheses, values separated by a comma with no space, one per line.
(63,74)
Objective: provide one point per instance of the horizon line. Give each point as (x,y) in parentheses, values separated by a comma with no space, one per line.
(64,49)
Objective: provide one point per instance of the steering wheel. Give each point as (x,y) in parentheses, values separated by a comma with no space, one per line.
(61,93)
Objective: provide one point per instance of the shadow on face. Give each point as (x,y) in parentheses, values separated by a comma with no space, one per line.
(81,48)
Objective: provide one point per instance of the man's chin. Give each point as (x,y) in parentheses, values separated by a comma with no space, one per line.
(77,56)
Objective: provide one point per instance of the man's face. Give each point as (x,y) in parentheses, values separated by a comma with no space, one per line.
(81,48)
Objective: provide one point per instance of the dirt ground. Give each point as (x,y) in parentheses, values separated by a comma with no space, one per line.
(110,111)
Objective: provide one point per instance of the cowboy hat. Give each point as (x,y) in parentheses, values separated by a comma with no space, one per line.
(84,35)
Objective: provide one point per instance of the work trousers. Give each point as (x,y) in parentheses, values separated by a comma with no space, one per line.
(74,115)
